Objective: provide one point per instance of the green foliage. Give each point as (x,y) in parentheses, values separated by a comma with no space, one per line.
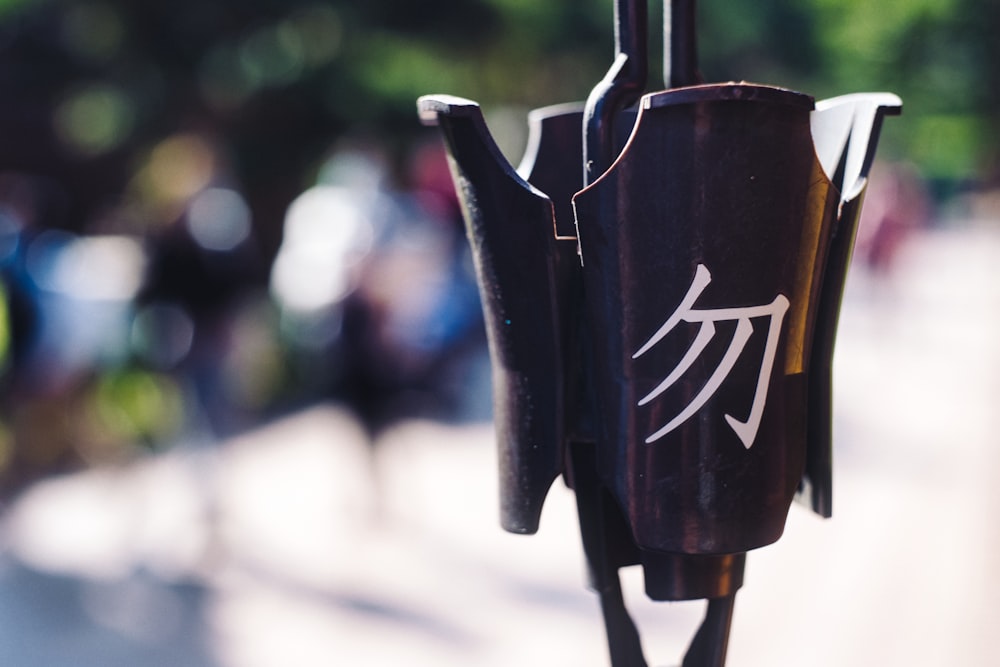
(941,56)
(138,406)
(342,63)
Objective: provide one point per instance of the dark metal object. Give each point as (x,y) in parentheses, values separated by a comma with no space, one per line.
(680,44)
(661,322)
(733,209)
(510,226)
(621,86)
(846,131)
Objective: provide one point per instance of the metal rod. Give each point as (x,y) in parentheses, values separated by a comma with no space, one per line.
(680,44)
(621,86)
(711,642)
(597,513)
(624,643)
(631,34)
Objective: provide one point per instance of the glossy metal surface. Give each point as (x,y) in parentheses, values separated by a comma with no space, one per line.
(845,131)
(510,226)
(661,322)
(621,87)
(723,178)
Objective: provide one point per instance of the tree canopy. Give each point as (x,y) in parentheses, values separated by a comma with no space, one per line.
(92,86)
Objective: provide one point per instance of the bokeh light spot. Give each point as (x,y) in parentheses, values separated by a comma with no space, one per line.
(95,119)
(271,56)
(219,219)
(177,169)
(139,405)
(327,231)
(162,334)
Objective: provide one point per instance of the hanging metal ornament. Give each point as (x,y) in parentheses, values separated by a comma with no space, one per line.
(661,280)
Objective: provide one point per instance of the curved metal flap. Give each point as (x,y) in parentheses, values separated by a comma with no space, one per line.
(845,130)
(510,227)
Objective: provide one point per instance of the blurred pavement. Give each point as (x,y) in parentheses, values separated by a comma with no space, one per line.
(292,546)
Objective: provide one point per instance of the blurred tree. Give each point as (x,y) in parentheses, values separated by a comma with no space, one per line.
(92,86)
(941,56)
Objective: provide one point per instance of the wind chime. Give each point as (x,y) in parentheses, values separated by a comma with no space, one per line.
(661,279)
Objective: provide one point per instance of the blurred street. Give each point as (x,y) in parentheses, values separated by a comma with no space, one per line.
(299,544)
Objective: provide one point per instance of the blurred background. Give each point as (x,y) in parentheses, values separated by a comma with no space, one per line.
(244,393)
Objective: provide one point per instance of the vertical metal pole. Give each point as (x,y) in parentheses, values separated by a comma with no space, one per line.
(680,44)
(711,642)
(602,547)
(621,86)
